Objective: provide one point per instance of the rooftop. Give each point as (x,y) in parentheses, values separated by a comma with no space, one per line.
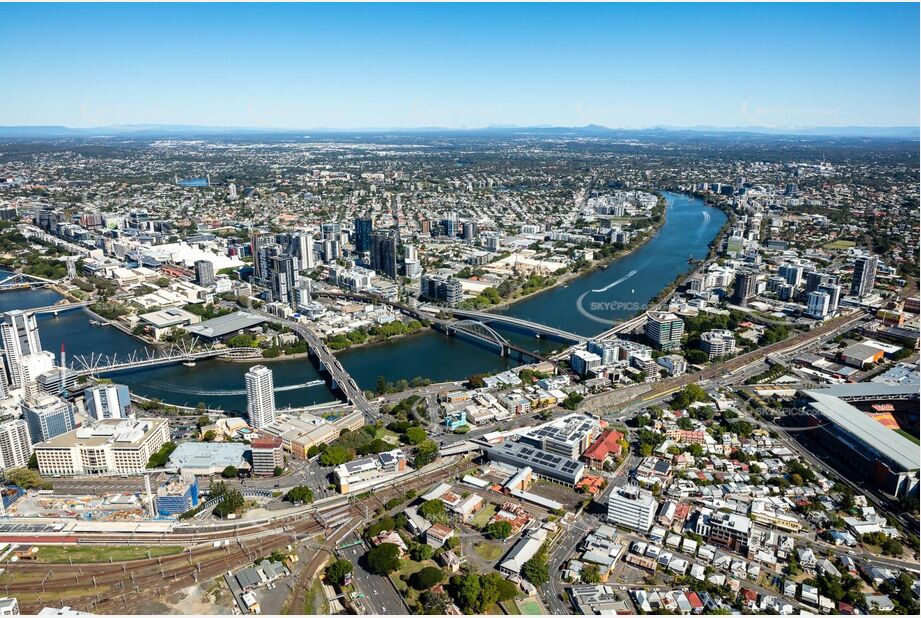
(225,325)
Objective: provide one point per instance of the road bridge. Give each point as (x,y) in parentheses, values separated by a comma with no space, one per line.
(507,320)
(328,363)
(58,308)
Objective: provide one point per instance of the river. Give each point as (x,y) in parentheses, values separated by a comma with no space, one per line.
(586,305)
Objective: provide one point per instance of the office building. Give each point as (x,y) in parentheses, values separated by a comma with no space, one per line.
(745,286)
(176,496)
(107,401)
(363,228)
(260,396)
(204,272)
(15,445)
(19,332)
(267,455)
(633,508)
(543,464)
(48,416)
(817,306)
(363,474)
(717,343)
(664,329)
(384,252)
(864,276)
(567,436)
(814,279)
(443,289)
(729,530)
(112,446)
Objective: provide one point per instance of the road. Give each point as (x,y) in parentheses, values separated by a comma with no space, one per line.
(381,597)
(563,547)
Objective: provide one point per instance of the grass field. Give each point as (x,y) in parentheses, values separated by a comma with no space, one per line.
(839,245)
(488,551)
(480,520)
(87,553)
(530,607)
(407,568)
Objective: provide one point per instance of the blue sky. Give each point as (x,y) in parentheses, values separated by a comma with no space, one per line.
(414,65)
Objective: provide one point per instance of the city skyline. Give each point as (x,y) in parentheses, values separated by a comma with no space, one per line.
(414,66)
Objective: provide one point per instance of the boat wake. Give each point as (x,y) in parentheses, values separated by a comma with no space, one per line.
(615,283)
(228,392)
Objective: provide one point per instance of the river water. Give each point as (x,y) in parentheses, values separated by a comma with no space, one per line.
(587,305)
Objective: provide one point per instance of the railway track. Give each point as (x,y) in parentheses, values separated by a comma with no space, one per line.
(117,587)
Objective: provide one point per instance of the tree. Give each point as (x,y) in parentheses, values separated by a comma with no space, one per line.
(433,510)
(416,435)
(301,493)
(229,472)
(336,572)
(590,574)
(536,570)
(233,501)
(434,603)
(499,530)
(425,453)
(476,381)
(426,578)
(335,455)
(421,552)
(26,478)
(468,593)
(383,559)
(33,462)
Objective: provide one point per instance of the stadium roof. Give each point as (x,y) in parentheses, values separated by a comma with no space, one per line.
(892,445)
(867,389)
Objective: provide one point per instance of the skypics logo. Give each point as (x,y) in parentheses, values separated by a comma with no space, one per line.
(595,310)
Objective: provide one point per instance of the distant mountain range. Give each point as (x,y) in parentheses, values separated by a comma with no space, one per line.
(185,131)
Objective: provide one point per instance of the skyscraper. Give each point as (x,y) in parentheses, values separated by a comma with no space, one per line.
(260,396)
(384,252)
(107,401)
(363,228)
(834,295)
(204,272)
(864,276)
(745,286)
(19,332)
(15,446)
(818,303)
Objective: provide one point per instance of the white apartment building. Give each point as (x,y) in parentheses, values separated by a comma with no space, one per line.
(632,508)
(111,446)
(15,444)
(260,396)
(19,332)
(717,343)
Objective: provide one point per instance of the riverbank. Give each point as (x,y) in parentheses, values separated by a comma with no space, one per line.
(594,266)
